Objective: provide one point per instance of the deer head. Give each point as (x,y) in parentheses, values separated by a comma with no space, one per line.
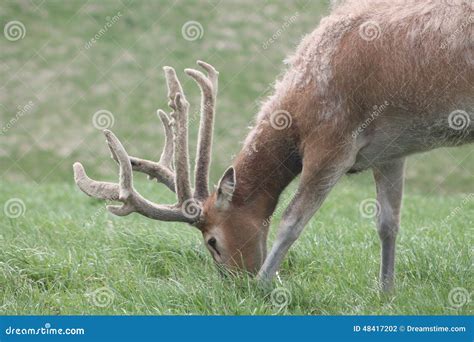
(230,234)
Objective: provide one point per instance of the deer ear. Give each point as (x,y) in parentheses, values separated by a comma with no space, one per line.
(225,189)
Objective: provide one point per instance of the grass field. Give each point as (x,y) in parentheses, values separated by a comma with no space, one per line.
(64,254)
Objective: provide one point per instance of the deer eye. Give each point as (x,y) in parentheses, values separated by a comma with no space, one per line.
(213,243)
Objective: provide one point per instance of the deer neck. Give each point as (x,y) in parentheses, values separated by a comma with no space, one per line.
(268,162)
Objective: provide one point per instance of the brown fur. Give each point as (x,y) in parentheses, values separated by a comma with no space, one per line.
(333,80)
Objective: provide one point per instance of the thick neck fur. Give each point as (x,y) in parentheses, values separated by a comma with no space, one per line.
(267,163)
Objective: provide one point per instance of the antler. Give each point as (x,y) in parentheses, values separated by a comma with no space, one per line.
(188,207)
(163,170)
(208,87)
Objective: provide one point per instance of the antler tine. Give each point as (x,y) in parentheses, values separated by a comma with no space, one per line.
(125,175)
(161,171)
(100,190)
(208,86)
(180,107)
(174,86)
(124,191)
(166,158)
(154,171)
(212,74)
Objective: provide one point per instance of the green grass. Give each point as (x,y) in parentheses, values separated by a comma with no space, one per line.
(65,247)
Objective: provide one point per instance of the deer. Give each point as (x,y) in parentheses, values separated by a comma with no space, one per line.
(413,57)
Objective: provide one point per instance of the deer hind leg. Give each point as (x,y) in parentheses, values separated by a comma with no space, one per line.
(318,177)
(389,179)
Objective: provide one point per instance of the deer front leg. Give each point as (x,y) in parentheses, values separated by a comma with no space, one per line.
(389,182)
(317,180)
